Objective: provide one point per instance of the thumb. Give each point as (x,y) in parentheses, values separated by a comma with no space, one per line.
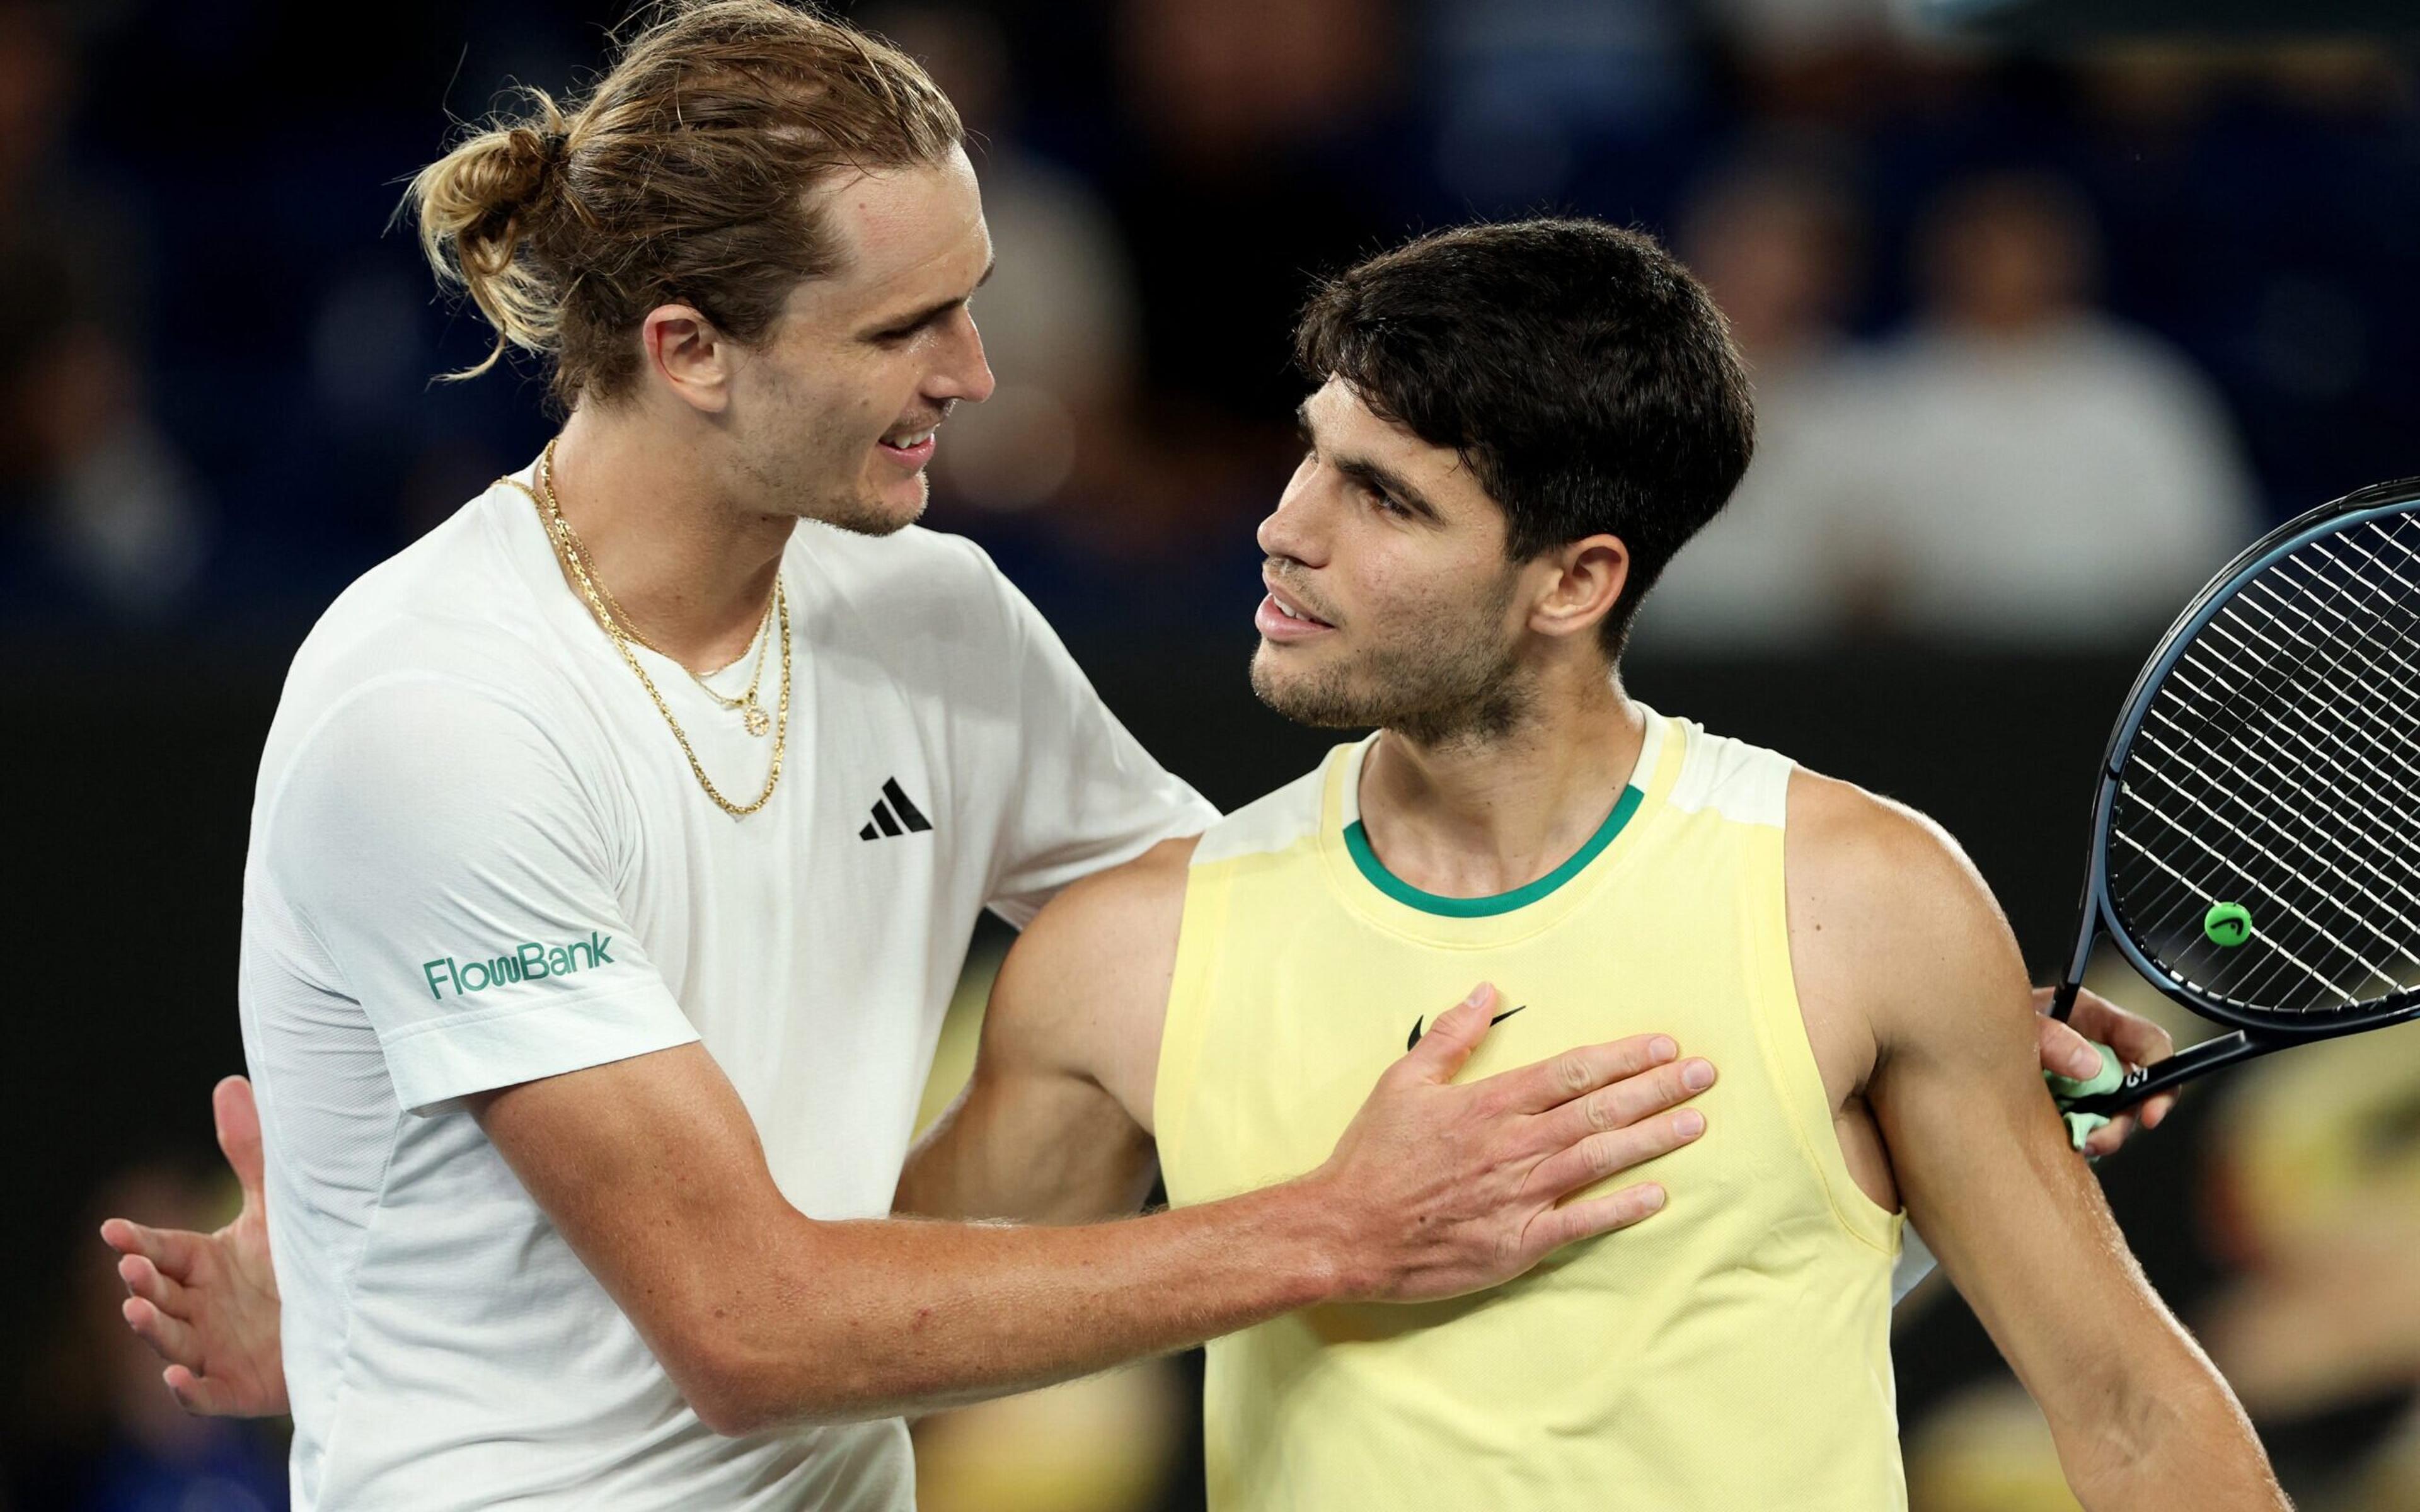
(238,1128)
(1448,1042)
(2067,1053)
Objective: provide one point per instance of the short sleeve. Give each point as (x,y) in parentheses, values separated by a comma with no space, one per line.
(1089,796)
(441,850)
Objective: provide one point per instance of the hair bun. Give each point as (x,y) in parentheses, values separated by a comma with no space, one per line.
(537,151)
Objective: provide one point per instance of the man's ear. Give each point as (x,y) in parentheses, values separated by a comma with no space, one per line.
(688,356)
(1588,577)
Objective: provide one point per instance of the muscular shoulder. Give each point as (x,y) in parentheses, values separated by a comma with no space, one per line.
(1887,912)
(1085,987)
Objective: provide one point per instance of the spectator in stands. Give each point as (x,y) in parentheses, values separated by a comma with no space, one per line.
(2047,477)
(98,511)
(1781,245)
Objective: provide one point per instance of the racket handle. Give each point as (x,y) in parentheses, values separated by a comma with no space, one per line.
(2151,1081)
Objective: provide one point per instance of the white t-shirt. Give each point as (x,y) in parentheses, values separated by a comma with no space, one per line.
(478,858)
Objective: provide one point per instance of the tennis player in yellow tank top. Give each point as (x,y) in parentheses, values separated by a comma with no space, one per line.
(1514,428)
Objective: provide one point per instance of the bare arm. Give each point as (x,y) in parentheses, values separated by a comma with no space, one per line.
(2140,1417)
(1055,1124)
(651,1169)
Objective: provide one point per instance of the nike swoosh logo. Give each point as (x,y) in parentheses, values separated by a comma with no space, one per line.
(1421,1024)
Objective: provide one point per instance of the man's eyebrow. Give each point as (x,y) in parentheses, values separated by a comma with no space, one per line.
(1375,476)
(931,312)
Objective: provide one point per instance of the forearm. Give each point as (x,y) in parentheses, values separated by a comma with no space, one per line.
(831,1322)
(2172,1438)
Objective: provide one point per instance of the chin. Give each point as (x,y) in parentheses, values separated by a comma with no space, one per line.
(879,511)
(1295,695)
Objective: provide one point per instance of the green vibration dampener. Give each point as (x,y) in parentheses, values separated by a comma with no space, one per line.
(2227,924)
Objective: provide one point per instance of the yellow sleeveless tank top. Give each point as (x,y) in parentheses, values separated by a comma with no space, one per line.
(1731,1354)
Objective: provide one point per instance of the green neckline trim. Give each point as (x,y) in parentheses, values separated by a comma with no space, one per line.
(1356,842)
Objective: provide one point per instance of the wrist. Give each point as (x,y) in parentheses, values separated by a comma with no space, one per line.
(1330,1253)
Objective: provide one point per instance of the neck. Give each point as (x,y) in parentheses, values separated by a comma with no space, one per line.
(691,565)
(1471,819)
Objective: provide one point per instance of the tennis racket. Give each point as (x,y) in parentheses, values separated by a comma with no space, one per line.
(2255,835)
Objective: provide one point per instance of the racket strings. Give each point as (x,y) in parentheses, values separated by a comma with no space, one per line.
(2281,764)
(2363,857)
(2358,918)
(2277,767)
(2328,654)
(2271,772)
(2316,843)
(2363,942)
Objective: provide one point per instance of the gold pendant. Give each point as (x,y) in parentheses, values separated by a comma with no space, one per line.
(758,721)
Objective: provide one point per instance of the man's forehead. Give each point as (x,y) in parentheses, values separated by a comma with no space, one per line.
(1339,416)
(908,232)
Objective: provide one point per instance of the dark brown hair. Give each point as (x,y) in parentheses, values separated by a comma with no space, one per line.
(680,176)
(1586,380)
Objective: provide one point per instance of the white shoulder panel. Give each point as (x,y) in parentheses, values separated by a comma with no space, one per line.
(1269,824)
(1744,783)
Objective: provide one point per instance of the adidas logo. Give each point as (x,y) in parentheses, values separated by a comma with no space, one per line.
(894,814)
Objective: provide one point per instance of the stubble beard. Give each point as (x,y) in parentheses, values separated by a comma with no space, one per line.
(863,515)
(1446,683)
(850,506)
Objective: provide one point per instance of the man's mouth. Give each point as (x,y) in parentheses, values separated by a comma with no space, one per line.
(911,448)
(1281,617)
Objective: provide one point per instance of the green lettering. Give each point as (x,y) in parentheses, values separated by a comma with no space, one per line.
(527,962)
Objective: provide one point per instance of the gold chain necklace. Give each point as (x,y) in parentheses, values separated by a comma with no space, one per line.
(559,534)
(568,545)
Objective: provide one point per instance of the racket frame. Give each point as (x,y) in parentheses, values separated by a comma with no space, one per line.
(2255,1033)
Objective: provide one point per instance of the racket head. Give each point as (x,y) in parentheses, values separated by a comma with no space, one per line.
(2255,839)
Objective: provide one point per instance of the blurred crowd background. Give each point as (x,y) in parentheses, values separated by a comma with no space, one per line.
(2041,334)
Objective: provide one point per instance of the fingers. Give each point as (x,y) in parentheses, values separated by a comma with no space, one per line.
(171,1338)
(2066,1052)
(239,1129)
(2137,1040)
(1601,1155)
(1442,1049)
(2106,1140)
(1577,1073)
(1558,1226)
(143,1279)
(175,1251)
(197,1394)
(1665,1085)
